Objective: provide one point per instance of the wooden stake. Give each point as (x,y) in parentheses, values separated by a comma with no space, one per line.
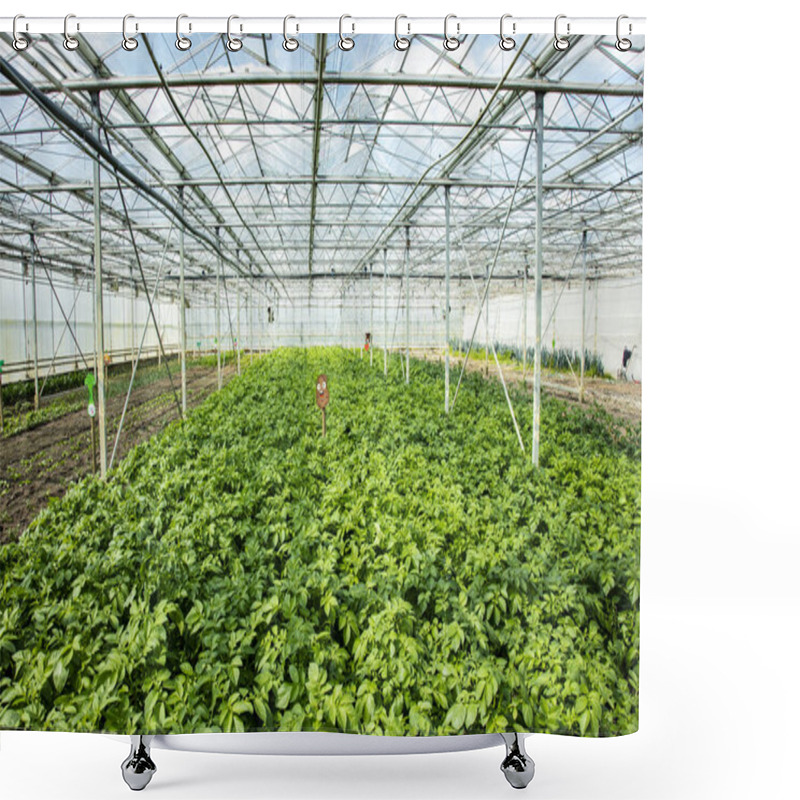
(323,423)
(94,446)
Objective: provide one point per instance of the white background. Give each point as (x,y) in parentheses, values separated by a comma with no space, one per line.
(720,704)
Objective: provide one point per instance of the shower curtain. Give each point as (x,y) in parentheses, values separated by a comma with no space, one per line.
(449,554)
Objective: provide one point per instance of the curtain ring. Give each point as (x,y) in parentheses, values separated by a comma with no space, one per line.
(345,42)
(400,42)
(129,43)
(560,42)
(623,44)
(450,42)
(181,41)
(233,44)
(70,42)
(506,42)
(21,41)
(289,44)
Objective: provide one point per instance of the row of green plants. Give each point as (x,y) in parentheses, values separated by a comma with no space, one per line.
(22,416)
(411,573)
(560,359)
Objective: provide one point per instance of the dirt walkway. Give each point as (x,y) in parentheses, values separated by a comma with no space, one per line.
(41,463)
(624,400)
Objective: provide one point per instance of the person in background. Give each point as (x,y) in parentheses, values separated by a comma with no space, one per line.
(627,353)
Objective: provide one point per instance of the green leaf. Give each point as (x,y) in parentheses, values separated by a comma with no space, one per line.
(283,696)
(260,708)
(456,716)
(60,675)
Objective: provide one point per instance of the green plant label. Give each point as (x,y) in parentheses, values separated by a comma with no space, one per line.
(89,383)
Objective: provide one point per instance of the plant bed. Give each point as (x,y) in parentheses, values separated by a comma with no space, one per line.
(410,573)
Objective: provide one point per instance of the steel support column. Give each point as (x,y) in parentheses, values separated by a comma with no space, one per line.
(182,302)
(486,321)
(537,357)
(446,299)
(99,343)
(408,304)
(133,323)
(238,330)
(371,314)
(216,316)
(385,318)
(35,329)
(525,317)
(583,319)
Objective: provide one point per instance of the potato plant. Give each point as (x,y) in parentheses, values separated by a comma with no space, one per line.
(408,574)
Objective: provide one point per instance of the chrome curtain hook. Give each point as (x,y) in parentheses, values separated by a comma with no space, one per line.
(181,41)
(345,42)
(289,44)
(450,42)
(20,41)
(70,42)
(400,42)
(506,42)
(129,43)
(623,44)
(560,42)
(233,44)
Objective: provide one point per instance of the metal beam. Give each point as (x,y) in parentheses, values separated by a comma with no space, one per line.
(462,81)
(332,180)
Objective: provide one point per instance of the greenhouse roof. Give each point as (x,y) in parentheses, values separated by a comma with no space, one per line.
(319,161)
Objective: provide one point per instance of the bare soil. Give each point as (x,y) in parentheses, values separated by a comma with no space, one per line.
(41,463)
(622,399)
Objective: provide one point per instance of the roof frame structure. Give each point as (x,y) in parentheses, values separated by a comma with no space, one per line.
(312,161)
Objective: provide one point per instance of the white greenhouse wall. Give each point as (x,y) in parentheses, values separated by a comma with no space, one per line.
(77,301)
(613,318)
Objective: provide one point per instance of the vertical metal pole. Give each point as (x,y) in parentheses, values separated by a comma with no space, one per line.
(537,356)
(371,315)
(525,317)
(447,299)
(385,317)
(238,330)
(486,320)
(408,305)
(99,343)
(596,306)
(583,318)
(133,324)
(35,330)
(25,306)
(216,309)
(182,318)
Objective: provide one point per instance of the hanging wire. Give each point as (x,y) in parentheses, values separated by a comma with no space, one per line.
(139,352)
(141,270)
(53,290)
(494,264)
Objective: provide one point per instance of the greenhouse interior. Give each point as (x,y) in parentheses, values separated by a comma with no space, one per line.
(277,324)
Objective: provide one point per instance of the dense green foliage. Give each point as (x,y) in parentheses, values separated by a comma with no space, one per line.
(410,573)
